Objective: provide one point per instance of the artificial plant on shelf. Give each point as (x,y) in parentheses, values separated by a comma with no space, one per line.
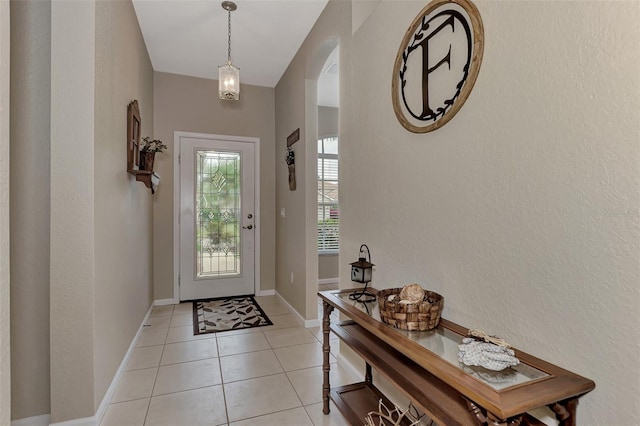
(148,149)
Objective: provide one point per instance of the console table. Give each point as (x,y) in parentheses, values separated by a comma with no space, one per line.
(423,365)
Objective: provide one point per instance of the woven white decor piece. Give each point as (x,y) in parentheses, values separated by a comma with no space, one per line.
(493,357)
(394,417)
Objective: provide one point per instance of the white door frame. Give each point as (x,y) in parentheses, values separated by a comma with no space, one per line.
(5,346)
(176,203)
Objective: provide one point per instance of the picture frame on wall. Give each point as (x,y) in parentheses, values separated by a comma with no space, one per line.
(134,125)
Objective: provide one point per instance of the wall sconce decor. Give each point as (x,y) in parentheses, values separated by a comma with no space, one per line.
(291,158)
(137,150)
(229,74)
(133,136)
(291,164)
(361,272)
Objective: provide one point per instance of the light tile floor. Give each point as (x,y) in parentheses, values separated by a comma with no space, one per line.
(259,376)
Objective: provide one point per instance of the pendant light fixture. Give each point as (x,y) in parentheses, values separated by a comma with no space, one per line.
(229,74)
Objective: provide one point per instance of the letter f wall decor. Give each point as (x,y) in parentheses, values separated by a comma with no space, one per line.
(437,64)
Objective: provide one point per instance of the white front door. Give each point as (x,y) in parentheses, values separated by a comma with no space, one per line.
(217,217)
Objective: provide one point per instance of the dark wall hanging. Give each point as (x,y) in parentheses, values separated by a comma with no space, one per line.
(133,136)
(437,64)
(291,163)
(291,158)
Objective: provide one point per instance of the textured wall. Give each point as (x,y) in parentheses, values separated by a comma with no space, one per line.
(296,106)
(328,121)
(191,104)
(523,211)
(30,169)
(5,372)
(72,209)
(123,207)
(100,271)
(290,230)
(328,266)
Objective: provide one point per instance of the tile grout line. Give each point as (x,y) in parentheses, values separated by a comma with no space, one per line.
(224,393)
(289,380)
(146,414)
(181,391)
(223,382)
(272,349)
(276,412)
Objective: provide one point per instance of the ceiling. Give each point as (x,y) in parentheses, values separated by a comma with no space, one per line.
(189,37)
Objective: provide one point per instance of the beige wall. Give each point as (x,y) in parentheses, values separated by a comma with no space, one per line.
(191,104)
(30,170)
(328,121)
(523,210)
(123,207)
(101,262)
(72,245)
(328,266)
(5,368)
(296,107)
(290,230)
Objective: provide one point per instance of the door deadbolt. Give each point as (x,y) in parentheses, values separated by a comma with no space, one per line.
(249,216)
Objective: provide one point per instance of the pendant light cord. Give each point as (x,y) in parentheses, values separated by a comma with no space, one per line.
(229,44)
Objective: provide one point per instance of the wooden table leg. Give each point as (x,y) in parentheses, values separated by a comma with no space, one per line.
(493,420)
(368,377)
(485,418)
(326,349)
(565,411)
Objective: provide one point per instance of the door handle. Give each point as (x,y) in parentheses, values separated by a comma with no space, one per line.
(248,227)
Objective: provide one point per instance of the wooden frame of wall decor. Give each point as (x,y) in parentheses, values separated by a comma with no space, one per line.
(133,136)
(134,125)
(418,36)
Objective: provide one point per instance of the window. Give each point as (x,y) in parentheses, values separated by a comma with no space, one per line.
(328,206)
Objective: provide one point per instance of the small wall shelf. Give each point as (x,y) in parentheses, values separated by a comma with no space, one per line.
(150,179)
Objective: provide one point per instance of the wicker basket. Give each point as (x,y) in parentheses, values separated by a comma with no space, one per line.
(420,316)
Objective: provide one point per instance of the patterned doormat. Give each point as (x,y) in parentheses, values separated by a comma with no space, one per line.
(227,313)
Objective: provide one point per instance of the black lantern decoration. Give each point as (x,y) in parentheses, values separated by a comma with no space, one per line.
(361,272)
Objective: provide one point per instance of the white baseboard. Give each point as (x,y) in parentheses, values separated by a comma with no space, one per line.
(358,372)
(300,318)
(267,293)
(42,420)
(351,368)
(45,420)
(116,378)
(165,302)
(312,323)
(86,421)
(295,313)
(329,281)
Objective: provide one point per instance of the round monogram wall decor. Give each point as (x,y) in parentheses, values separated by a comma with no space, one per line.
(437,64)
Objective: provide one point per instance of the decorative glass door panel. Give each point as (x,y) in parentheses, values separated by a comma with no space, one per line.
(218,208)
(216,216)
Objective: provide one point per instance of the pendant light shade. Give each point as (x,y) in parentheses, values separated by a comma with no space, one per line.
(229,81)
(229,74)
